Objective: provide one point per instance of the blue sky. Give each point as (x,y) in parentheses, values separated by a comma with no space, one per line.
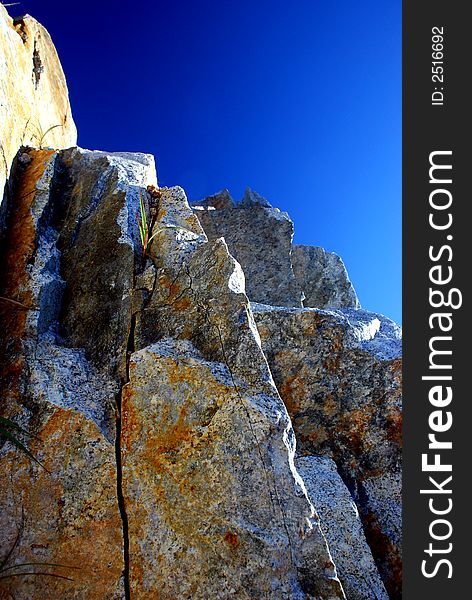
(299,100)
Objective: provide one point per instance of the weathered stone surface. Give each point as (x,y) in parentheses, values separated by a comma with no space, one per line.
(67,512)
(339,374)
(323,278)
(168,454)
(342,527)
(218,201)
(34,103)
(67,517)
(279,274)
(207,443)
(214,517)
(260,238)
(97,200)
(205,464)
(252,198)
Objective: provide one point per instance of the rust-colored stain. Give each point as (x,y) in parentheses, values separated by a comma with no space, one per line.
(315,437)
(330,405)
(60,534)
(171,285)
(354,426)
(231,539)
(394,422)
(177,374)
(332,362)
(17,250)
(182,303)
(396,366)
(129,420)
(171,436)
(291,390)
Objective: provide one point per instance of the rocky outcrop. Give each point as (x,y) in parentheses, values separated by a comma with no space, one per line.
(260,239)
(184,443)
(207,443)
(278,273)
(323,278)
(34,103)
(339,374)
(167,451)
(60,518)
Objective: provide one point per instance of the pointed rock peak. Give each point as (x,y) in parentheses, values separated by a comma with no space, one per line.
(218,201)
(252,198)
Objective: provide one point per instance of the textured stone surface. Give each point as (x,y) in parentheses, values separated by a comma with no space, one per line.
(342,527)
(168,454)
(339,374)
(34,103)
(323,278)
(260,238)
(212,502)
(97,198)
(207,443)
(68,516)
(219,514)
(67,512)
(279,274)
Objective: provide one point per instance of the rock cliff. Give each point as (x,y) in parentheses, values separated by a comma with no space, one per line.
(278,273)
(195,432)
(34,103)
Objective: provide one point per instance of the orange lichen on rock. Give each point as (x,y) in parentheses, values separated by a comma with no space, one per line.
(290,392)
(17,250)
(70,515)
(231,539)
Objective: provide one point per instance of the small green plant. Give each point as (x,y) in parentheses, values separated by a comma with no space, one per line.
(15,302)
(9,430)
(146,240)
(18,569)
(38,134)
(143,226)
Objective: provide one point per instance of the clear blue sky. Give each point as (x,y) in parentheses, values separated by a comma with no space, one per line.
(300,100)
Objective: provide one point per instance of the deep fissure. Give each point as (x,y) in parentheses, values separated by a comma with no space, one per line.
(119,465)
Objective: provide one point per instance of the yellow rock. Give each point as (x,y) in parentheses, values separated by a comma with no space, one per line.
(34,101)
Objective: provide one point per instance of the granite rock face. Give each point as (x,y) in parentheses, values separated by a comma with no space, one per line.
(339,374)
(278,273)
(220,513)
(185,442)
(323,278)
(342,527)
(207,443)
(63,512)
(260,239)
(34,102)
(167,451)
